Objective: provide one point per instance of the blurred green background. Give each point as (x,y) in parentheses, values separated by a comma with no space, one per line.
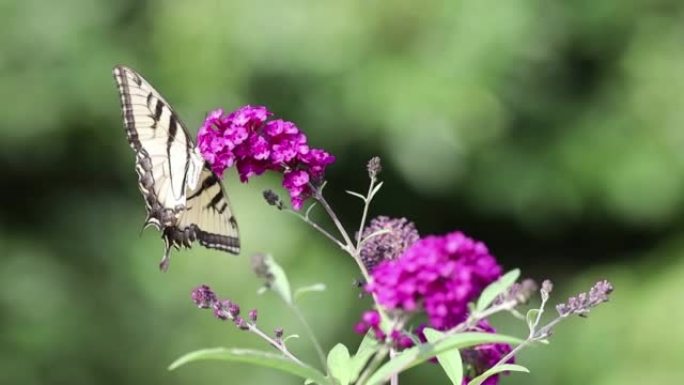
(552,130)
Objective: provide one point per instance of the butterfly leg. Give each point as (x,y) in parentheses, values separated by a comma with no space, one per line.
(164,263)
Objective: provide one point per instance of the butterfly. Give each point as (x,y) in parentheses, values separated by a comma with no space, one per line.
(184,198)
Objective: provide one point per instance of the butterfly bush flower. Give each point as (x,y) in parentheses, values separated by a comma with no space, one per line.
(247,140)
(399,234)
(438,274)
(479,359)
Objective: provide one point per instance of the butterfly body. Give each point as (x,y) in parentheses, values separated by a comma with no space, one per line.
(184,199)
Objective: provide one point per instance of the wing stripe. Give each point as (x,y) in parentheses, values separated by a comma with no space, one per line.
(158,111)
(206,183)
(215,200)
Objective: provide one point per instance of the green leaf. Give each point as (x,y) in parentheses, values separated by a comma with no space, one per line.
(492,291)
(279,284)
(375,234)
(421,353)
(450,361)
(317,287)
(308,209)
(290,337)
(375,191)
(353,193)
(496,370)
(255,357)
(369,345)
(531,318)
(339,364)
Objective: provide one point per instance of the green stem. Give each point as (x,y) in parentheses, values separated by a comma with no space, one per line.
(280,346)
(312,336)
(366,204)
(373,366)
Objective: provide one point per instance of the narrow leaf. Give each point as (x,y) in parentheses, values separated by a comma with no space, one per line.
(375,234)
(369,345)
(317,287)
(496,370)
(255,357)
(308,209)
(354,193)
(450,361)
(421,353)
(280,284)
(339,364)
(492,291)
(531,318)
(375,191)
(290,337)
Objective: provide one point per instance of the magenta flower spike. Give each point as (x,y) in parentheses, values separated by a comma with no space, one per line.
(247,140)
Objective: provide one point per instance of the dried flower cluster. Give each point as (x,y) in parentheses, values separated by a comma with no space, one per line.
(584,302)
(386,239)
(479,359)
(205,298)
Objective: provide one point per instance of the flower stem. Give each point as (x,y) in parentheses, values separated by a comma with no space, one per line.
(312,336)
(280,346)
(319,228)
(318,196)
(394,379)
(366,204)
(378,358)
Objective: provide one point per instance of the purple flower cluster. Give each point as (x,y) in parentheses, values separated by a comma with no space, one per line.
(371,321)
(246,139)
(205,298)
(584,302)
(438,274)
(482,357)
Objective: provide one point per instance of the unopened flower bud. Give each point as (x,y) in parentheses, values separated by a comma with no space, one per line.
(203,296)
(273,199)
(584,302)
(241,323)
(253,315)
(261,269)
(374,167)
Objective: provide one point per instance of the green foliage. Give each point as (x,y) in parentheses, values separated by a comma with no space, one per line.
(492,291)
(369,345)
(340,364)
(254,357)
(423,352)
(450,361)
(279,283)
(496,370)
(302,291)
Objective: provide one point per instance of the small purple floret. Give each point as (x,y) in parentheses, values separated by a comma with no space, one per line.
(203,296)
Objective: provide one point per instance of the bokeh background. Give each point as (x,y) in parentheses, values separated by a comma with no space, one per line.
(552,130)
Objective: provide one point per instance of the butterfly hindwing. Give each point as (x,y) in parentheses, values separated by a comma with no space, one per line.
(208,208)
(171,172)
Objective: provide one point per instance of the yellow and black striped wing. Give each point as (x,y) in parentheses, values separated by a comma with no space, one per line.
(184,199)
(209,210)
